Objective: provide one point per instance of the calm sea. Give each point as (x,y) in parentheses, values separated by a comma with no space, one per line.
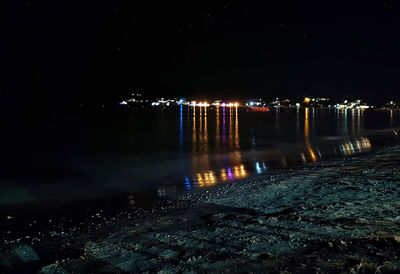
(167,151)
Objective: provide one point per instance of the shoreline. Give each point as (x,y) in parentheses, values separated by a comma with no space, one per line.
(305,219)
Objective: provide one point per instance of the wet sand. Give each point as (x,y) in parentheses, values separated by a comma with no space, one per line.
(332,217)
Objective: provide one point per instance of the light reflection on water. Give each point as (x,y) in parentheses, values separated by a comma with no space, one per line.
(310,151)
(219,158)
(200,148)
(356,146)
(169,150)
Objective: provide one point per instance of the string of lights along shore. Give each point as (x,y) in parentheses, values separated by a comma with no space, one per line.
(258,103)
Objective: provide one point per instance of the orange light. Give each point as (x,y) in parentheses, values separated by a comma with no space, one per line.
(200,181)
(307,136)
(242,171)
(307,100)
(223,175)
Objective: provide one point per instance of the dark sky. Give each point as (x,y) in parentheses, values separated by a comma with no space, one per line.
(60,53)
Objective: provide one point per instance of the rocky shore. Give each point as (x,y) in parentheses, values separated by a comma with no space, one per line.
(333,217)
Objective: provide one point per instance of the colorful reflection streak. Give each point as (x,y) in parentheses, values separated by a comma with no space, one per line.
(233,173)
(235,156)
(200,146)
(205,179)
(223,128)
(194,133)
(181,128)
(349,121)
(310,150)
(358,145)
(217,133)
(237,140)
(230,157)
(230,135)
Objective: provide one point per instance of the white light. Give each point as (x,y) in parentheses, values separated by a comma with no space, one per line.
(258,168)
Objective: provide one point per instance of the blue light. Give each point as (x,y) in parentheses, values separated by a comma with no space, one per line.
(187,183)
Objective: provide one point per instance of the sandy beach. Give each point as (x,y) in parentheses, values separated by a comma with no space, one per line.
(332,217)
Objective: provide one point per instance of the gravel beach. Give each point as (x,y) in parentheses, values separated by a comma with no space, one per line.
(333,217)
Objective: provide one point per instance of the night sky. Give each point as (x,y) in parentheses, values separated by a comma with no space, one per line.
(57,54)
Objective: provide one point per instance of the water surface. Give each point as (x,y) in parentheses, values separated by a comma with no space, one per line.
(164,151)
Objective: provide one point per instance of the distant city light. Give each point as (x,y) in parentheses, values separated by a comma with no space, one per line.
(254,104)
(201,104)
